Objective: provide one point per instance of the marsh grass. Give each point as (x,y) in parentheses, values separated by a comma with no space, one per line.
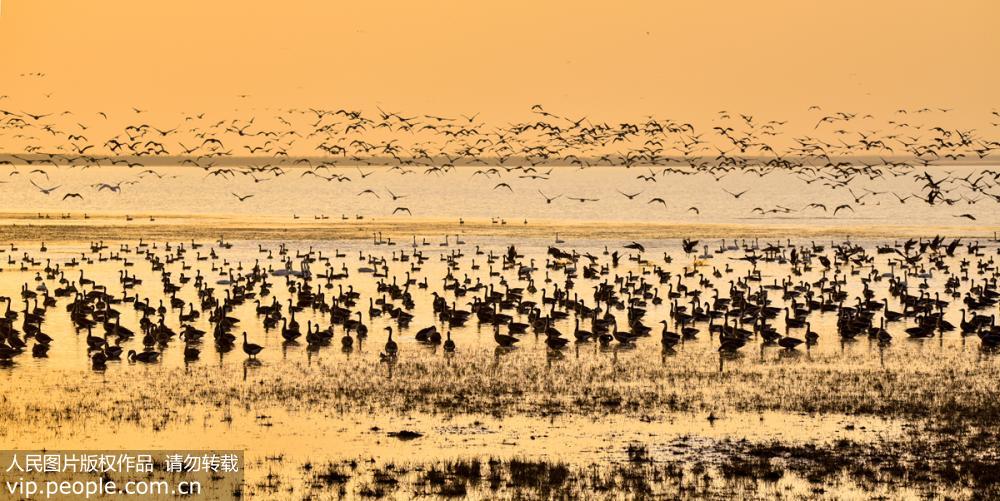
(522,385)
(749,470)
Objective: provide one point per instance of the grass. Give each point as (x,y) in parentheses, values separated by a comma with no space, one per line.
(826,384)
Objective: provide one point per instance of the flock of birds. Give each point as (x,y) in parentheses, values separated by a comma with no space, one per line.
(841,151)
(196,293)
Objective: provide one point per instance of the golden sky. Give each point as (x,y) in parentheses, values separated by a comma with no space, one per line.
(684,60)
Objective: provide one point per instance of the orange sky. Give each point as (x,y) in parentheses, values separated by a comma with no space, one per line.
(603,59)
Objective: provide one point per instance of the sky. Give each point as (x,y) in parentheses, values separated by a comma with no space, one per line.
(610,60)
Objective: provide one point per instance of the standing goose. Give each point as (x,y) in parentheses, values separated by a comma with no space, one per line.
(390,346)
(579,334)
(789,343)
(249,348)
(113,352)
(347,341)
(449,345)
(503,339)
(361,329)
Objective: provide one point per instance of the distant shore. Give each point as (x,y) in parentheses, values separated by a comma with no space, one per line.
(54,227)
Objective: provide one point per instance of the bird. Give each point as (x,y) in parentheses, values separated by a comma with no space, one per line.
(842,207)
(736,195)
(689,246)
(547,198)
(249,348)
(967,216)
(45,191)
(402,209)
(657,200)
(242,198)
(146,357)
(72,195)
(789,343)
(391,349)
(504,340)
(635,246)
(629,196)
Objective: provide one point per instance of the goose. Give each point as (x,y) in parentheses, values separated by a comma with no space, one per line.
(249,348)
(449,345)
(667,338)
(94,342)
(290,333)
(793,322)
(99,360)
(39,350)
(555,342)
(390,346)
(789,343)
(191,352)
(113,352)
(360,328)
(731,345)
(890,316)
(503,339)
(423,335)
(810,336)
(347,341)
(435,337)
(581,335)
(146,357)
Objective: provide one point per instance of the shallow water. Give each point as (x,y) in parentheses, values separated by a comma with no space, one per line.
(298,409)
(461,193)
(68,350)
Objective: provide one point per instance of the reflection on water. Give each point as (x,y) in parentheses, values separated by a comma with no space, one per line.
(475,272)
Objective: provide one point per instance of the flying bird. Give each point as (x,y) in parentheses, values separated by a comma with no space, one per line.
(402,209)
(548,199)
(242,197)
(45,191)
(844,206)
(636,246)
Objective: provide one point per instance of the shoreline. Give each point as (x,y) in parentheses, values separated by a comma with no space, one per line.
(56,228)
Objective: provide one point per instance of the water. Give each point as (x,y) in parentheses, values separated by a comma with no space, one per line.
(299,411)
(68,352)
(184,191)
